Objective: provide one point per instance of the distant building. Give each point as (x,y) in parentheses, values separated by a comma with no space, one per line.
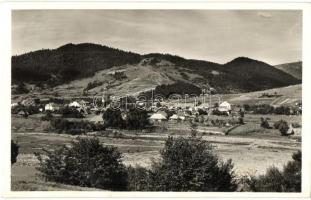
(158,117)
(49,107)
(224,107)
(22,113)
(14,105)
(177,117)
(75,104)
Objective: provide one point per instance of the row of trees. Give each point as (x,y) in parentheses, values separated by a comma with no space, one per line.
(185,164)
(74,127)
(178,87)
(275,180)
(133,119)
(268,109)
(281,125)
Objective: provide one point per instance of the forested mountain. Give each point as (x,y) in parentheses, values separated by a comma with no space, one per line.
(77,61)
(294,69)
(67,63)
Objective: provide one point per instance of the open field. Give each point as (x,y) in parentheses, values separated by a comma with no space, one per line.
(251,148)
(251,153)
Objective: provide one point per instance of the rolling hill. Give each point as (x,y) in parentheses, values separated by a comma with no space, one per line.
(294,69)
(69,70)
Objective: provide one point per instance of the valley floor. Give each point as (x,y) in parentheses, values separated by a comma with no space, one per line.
(251,154)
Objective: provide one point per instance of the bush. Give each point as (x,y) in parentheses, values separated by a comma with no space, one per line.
(264,123)
(138,179)
(246,107)
(93,84)
(287,180)
(86,163)
(14,152)
(20,89)
(48,116)
(136,119)
(282,110)
(220,113)
(133,120)
(74,127)
(188,164)
(282,126)
(68,112)
(113,118)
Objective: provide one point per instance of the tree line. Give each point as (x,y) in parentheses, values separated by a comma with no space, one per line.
(185,164)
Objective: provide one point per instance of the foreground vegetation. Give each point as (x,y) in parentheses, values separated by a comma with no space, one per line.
(185,164)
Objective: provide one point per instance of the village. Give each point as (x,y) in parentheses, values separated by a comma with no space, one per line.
(160,110)
(142,127)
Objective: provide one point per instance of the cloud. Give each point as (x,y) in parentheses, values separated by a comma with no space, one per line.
(264,15)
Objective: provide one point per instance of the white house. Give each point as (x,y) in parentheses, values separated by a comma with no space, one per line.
(49,107)
(177,117)
(174,117)
(14,105)
(224,107)
(75,104)
(158,117)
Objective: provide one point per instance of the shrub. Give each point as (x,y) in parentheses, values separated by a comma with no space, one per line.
(138,179)
(246,107)
(93,84)
(220,113)
(20,89)
(188,164)
(241,120)
(287,180)
(292,173)
(136,119)
(262,109)
(74,127)
(133,120)
(47,117)
(14,152)
(113,118)
(86,163)
(282,110)
(282,126)
(69,112)
(296,125)
(265,123)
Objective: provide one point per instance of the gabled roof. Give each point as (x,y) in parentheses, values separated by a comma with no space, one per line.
(157,116)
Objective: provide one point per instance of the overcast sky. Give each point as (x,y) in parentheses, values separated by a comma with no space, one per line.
(214,35)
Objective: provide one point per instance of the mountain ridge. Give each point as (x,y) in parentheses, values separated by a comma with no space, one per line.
(293,68)
(72,62)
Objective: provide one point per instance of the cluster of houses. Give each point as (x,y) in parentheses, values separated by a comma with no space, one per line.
(157,113)
(188,112)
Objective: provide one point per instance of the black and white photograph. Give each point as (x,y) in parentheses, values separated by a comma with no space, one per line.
(156,100)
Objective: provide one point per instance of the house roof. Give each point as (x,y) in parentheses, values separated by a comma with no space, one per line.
(174,116)
(157,116)
(74,104)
